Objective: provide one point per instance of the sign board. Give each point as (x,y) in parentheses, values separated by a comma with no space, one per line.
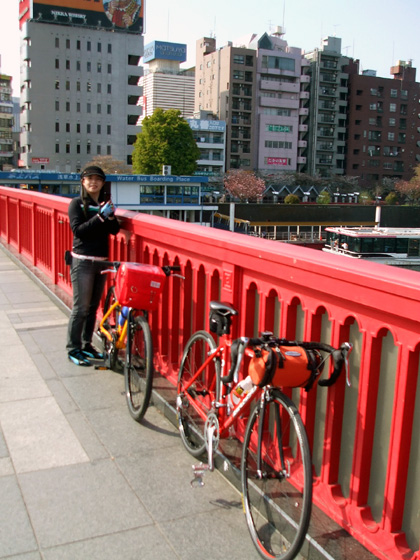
(211,126)
(165,51)
(277,161)
(120,15)
(40,160)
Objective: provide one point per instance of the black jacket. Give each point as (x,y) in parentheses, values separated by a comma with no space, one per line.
(90,233)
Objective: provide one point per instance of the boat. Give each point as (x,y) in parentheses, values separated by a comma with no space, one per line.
(385,245)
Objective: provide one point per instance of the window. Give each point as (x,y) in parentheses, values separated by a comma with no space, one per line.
(88,108)
(57,127)
(78,107)
(108,129)
(393,92)
(67,64)
(109,88)
(374,91)
(392,122)
(98,129)
(57,105)
(99,47)
(78,66)
(109,48)
(88,147)
(67,43)
(99,67)
(78,128)
(108,109)
(403,123)
(57,42)
(238,59)
(98,108)
(78,149)
(98,150)
(88,45)
(109,69)
(57,148)
(67,127)
(57,63)
(392,107)
(88,128)
(78,45)
(68,106)
(391,136)
(99,88)
(278,63)
(68,85)
(372,106)
(108,150)
(78,86)
(88,66)
(57,84)
(88,86)
(67,148)
(238,74)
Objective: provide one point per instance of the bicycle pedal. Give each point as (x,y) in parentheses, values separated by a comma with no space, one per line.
(199,471)
(102,368)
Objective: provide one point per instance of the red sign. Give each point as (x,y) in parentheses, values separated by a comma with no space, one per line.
(40,160)
(277,161)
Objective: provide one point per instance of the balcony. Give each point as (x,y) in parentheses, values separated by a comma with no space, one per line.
(298,293)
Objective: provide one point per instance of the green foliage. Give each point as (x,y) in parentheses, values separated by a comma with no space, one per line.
(292,199)
(391,198)
(166,139)
(324,198)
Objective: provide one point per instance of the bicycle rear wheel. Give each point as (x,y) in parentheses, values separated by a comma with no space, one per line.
(197,395)
(277,478)
(112,354)
(138,368)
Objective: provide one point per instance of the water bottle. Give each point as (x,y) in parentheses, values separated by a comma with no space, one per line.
(239,392)
(123,315)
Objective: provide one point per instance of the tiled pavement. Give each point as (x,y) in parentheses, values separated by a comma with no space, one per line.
(79,479)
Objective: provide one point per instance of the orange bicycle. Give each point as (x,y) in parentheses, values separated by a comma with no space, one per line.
(276,467)
(125,329)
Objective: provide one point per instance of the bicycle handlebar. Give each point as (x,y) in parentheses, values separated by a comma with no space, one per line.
(168,270)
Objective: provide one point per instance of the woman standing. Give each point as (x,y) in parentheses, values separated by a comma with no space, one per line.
(92,220)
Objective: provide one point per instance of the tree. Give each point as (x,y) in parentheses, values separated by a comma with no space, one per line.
(324,197)
(110,165)
(292,199)
(165,139)
(244,185)
(391,198)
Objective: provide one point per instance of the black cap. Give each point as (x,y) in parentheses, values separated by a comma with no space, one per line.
(93,170)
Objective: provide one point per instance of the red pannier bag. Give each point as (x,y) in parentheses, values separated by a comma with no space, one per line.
(285,366)
(139,285)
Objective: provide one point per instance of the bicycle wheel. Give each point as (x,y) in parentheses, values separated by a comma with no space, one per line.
(113,355)
(202,391)
(276,478)
(138,368)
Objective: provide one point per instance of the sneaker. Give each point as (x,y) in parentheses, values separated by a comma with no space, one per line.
(78,358)
(91,352)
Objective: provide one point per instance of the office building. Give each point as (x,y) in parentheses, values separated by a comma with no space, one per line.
(6,123)
(383,124)
(165,84)
(79,81)
(210,135)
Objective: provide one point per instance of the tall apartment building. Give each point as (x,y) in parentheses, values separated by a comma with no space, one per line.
(328,109)
(6,123)
(260,87)
(383,124)
(210,135)
(165,84)
(225,85)
(79,81)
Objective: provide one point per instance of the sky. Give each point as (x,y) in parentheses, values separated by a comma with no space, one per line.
(377,32)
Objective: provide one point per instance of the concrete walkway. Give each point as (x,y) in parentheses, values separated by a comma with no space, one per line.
(79,479)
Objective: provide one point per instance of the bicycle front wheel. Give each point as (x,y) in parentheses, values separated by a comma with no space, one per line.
(276,478)
(138,369)
(195,393)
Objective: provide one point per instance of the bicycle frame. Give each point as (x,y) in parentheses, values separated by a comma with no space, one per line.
(120,330)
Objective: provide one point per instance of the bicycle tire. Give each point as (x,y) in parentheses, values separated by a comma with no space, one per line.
(277,505)
(204,391)
(111,326)
(138,367)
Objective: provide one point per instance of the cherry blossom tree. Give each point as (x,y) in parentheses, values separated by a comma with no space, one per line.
(244,185)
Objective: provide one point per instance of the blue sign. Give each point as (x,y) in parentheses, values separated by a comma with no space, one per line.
(165,179)
(165,51)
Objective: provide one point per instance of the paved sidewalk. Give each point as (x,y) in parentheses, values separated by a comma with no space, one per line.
(79,479)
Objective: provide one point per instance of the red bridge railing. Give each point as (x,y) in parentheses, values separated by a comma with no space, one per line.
(364,439)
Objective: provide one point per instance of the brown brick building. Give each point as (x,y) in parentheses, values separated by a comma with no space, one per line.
(383,124)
